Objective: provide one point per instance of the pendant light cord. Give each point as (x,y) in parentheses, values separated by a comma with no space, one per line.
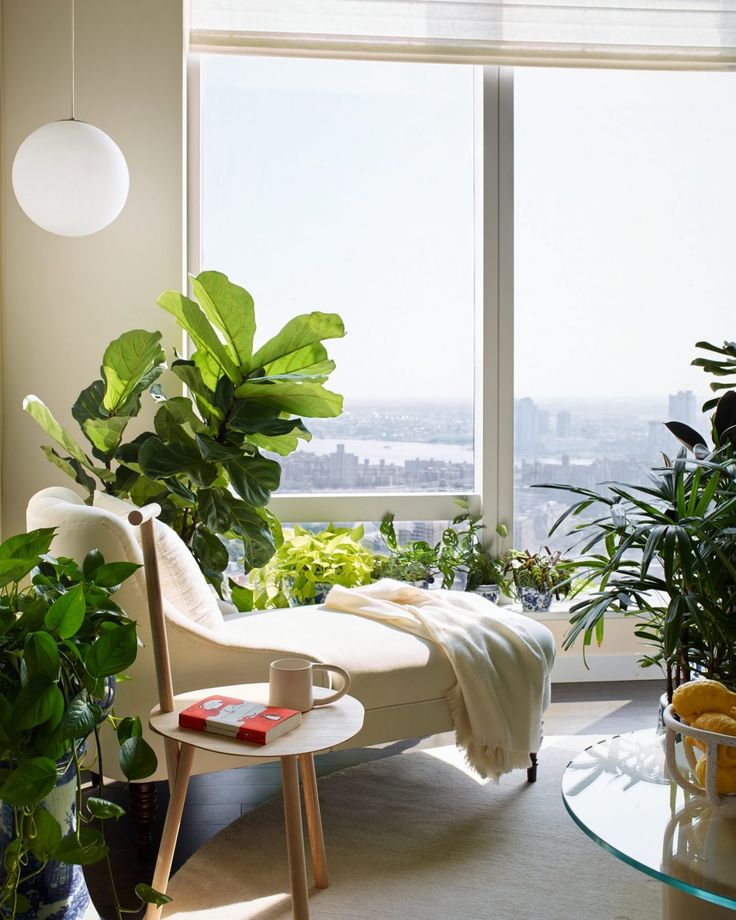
(73,58)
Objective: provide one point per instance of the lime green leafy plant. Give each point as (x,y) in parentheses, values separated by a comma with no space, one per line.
(204,461)
(306,564)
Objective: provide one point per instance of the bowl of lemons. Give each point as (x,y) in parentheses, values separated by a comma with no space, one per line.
(703,715)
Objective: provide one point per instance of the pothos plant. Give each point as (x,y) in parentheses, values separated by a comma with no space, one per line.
(62,638)
(203,462)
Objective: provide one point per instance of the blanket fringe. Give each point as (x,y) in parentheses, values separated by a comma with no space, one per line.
(490,759)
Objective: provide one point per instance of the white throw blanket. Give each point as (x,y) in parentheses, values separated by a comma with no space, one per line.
(502,668)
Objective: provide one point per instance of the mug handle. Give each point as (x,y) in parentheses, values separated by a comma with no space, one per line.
(323,701)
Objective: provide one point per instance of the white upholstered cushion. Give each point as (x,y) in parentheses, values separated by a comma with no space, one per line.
(182,582)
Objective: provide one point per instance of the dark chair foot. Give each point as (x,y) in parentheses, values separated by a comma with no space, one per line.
(531,773)
(142,798)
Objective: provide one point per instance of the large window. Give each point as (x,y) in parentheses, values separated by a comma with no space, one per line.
(523,263)
(624,196)
(350,187)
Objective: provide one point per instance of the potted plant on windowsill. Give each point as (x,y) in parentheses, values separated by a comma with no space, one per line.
(62,641)
(306,565)
(538,577)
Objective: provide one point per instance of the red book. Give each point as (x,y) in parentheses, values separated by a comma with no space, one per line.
(254,722)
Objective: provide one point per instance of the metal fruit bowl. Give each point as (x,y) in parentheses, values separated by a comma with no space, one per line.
(712,741)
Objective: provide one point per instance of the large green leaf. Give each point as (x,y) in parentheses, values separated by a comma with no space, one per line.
(90,848)
(66,614)
(31,781)
(211,554)
(26,545)
(106,433)
(159,460)
(137,758)
(15,569)
(311,359)
(254,478)
(41,414)
(113,652)
(229,308)
(191,318)
(41,655)
(298,333)
(63,465)
(191,377)
(214,510)
(80,718)
(308,398)
(102,809)
(130,364)
(38,702)
(47,837)
(112,574)
(178,412)
(89,403)
(282,444)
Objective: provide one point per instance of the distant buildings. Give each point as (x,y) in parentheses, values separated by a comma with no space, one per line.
(587,444)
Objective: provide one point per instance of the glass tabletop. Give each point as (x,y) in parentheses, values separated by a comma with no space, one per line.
(618,792)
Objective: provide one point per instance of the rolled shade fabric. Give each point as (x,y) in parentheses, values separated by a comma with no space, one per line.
(679,34)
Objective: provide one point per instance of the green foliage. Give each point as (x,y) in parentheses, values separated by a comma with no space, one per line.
(545,571)
(202,462)
(416,562)
(61,634)
(459,550)
(307,562)
(665,552)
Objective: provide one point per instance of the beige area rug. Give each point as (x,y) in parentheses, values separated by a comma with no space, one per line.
(416,837)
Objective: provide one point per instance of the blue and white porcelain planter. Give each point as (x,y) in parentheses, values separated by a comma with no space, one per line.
(59,891)
(534,600)
(489,592)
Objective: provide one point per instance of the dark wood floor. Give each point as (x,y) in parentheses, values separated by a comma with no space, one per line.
(215,800)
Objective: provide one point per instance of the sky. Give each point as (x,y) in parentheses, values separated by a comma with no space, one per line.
(349,187)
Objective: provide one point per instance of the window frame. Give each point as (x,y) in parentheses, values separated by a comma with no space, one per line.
(494,312)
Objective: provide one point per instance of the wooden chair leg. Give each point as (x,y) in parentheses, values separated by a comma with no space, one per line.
(142,808)
(171,827)
(294,838)
(531,773)
(314,820)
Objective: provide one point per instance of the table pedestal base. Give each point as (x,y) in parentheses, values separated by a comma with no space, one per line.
(678,905)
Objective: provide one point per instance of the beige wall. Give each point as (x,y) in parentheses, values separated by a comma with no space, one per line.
(64,299)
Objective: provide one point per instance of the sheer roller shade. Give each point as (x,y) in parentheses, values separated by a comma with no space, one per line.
(655,33)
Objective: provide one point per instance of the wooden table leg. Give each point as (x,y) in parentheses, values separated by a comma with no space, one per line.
(294,838)
(314,820)
(171,827)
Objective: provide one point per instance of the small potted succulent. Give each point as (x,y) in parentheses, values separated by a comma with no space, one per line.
(62,641)
(306,565)
(538,577)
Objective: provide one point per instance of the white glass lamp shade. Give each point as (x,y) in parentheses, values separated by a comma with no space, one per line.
(70,178)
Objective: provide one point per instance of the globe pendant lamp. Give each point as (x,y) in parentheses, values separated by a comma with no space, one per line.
(69,177)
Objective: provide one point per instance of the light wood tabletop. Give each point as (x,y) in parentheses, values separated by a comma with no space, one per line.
(321,728)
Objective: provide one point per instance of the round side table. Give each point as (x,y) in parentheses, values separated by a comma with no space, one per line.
(322,728)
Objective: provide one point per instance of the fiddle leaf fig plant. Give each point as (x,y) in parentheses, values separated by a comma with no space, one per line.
(204,461)
(62,639)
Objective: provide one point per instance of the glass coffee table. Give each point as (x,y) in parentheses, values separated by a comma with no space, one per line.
(618,793)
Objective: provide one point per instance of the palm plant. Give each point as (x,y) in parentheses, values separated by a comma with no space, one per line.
(665,553)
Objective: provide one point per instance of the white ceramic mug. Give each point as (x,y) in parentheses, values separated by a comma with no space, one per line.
(290,684)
